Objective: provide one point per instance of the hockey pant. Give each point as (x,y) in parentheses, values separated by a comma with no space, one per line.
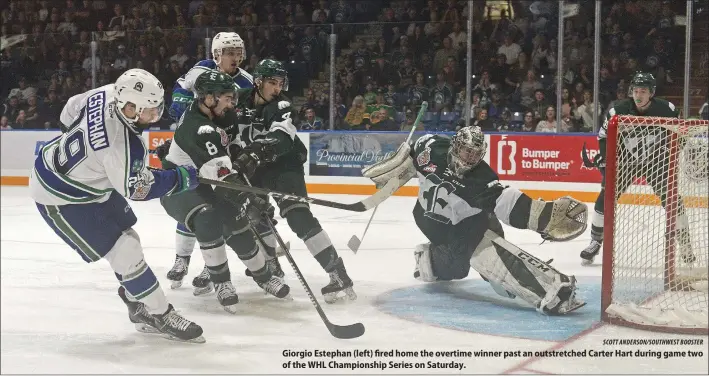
(216,223)
(105,231)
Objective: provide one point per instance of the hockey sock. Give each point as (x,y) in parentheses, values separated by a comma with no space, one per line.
(184,240)
(320,246)
(597,220)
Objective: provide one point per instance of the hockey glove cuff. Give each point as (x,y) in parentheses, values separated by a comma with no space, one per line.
(163,149)
(186,179)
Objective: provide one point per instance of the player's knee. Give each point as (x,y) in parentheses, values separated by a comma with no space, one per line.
(127,261)
(206,224)
(300,219)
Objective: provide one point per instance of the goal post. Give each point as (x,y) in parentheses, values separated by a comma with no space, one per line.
(655,253)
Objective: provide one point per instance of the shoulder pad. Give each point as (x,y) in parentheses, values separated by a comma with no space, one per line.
(211,64)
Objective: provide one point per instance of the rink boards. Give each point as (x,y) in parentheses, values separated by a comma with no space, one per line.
(544,166)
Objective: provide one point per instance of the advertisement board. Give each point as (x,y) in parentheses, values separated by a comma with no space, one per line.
(155,139)
(543,158)
(347,153)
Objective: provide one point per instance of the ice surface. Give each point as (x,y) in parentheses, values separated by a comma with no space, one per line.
(60,315)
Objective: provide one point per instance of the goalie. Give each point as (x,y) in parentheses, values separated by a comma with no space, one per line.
(459,202)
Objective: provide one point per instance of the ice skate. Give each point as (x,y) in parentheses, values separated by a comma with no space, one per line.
(226,294)
(178,328)
(274,266)
(178,271)
(590,253)
(275,287)
(143,321)
(201,283)
(339,282)
(563,301)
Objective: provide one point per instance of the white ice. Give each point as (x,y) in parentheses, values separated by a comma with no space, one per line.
(60,315)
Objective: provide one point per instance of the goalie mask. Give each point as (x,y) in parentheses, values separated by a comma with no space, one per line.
(467,149)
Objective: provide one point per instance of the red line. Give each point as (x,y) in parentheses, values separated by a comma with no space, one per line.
(523,364)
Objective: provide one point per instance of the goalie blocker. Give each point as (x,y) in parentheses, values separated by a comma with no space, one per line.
(459,202)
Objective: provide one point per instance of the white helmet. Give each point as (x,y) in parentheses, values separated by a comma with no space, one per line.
(227,40)
(141,88)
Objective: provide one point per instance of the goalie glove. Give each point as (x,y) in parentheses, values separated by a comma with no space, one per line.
(560,220)
(398,166)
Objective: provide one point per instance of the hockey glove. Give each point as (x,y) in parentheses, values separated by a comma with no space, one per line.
(254,155)
(162,149)
(186,179)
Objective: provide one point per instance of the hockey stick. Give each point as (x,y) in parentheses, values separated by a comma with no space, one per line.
(354,243)
(337,331)
(586,160)
(361,206)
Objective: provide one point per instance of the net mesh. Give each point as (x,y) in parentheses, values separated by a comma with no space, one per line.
(660,225)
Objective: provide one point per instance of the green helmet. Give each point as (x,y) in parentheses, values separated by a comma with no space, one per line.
(642,79)
(268,68)
(214,83)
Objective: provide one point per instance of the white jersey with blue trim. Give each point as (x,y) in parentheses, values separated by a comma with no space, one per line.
(100,153)
(185,84)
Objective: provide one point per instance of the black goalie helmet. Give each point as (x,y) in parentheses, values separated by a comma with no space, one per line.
(467,149)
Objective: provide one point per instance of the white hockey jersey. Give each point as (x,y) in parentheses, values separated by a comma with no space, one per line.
(98,154)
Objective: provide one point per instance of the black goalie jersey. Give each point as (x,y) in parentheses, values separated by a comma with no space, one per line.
(452,208)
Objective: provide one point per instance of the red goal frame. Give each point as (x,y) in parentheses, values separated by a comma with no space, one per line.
(680,127)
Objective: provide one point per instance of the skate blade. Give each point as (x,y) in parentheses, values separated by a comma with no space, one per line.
(233,308)
(203,290)
(574,308)
(145,328)
(175,284)
(199,339)
(347,294)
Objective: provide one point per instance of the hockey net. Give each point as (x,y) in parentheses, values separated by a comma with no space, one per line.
(655,256)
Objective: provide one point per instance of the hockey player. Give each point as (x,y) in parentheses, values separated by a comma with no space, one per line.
(641,103)
(80,179)
(459,201)
(217,216)
(274,154)
(228,51)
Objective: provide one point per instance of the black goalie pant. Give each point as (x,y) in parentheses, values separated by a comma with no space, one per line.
(453,246)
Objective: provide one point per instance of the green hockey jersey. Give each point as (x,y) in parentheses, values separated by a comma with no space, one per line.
(269,121)
(200,142)
(638,147)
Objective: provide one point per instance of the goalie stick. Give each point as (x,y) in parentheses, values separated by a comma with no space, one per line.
(354,243)
(338,331)
(586,160)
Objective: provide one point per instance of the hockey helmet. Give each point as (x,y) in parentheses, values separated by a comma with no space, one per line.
(142,89)
(214,83)
(269,68)
(467,149)
(642,79)
(226,40)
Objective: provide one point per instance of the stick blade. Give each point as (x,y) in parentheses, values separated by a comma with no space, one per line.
(354,243)
(347,331)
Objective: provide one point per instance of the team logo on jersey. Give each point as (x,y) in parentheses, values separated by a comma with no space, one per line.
(138,86)
(424,157)
(137,166)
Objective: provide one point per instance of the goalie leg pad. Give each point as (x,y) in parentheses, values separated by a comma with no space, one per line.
(399,166)
(424,266)
(524,275)
(127,261)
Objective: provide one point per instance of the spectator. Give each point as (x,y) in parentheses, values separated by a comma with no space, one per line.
(442,55)
(458,37)
(11,108)
(441,94)
(549,122)
(530,122)
(32,113)
(540,104)
(484,122)
(528,88)
(418,92)
(5,123)
(355,116)
(510,49)
(311,122)
(585,113)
